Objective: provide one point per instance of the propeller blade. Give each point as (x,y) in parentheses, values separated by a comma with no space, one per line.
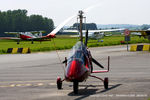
(65,61)
(97,63)
(86,38)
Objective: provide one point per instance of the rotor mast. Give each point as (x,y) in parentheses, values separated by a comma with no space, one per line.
(81,21)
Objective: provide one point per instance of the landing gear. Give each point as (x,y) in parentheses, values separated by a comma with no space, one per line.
(59,83)
(75,87)
(32,42)
(18,42)
(106,82)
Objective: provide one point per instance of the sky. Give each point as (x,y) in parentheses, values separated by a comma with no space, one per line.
(103,11)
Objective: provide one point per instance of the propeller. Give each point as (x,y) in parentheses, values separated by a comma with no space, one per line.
(97,63)
(65,61)
(86,38)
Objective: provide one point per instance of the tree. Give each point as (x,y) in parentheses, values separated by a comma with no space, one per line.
(18,21)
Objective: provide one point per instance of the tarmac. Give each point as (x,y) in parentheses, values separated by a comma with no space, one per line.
(33,76)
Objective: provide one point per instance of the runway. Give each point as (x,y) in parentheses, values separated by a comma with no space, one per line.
(33,76)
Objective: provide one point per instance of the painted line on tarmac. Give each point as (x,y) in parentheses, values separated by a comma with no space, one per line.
(26,81)
(27,85)
(38,84)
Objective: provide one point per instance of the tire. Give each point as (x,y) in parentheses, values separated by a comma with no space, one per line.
(59,83)
(106,81)
(75,87)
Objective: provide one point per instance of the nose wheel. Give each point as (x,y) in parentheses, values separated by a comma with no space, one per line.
(59,83)
(106,81)
(75,87)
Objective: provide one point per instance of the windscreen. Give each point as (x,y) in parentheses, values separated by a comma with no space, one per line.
(77,52)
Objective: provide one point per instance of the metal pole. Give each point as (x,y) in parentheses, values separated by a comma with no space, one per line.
(81,21)
(127,46)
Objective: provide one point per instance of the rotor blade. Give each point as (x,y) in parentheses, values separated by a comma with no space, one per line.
(61,25)
(97,63)
(67,20)
(91,7)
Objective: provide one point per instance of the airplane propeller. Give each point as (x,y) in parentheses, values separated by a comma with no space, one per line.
(97,63)
(93,60)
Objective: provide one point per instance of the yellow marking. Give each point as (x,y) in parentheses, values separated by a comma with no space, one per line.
(23,85)
(26,81)
(12,85)
(146,47)
(15,85)
(28,84)
(25,50)
(2,86)
(52,83)
(40,84)
(19,85)
(14,50)
(133,47)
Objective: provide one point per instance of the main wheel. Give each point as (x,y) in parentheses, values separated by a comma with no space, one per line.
(75,87)
(106,81)
(59,83)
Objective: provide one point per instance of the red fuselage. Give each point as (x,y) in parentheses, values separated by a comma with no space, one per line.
(32,37)
(76,71)
(24,37)
(78,65)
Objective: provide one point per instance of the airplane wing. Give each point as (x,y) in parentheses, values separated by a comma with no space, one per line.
(92,31)
(109,30)
(137,31)
(143,32)
(36,32)
(9,38)
(38,39)
(14,33)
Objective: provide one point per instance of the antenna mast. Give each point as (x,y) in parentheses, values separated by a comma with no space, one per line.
(81,21)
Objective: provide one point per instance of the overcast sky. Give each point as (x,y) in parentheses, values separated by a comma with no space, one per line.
(109,11)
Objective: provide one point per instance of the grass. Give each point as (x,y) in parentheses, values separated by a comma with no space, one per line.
(64,43)
(61,43)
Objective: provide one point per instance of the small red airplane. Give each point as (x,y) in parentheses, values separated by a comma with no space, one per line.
(30,36)
(79,64)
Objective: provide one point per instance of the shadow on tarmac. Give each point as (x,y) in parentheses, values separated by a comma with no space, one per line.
(84,93)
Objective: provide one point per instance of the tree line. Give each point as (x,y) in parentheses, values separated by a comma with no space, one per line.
(18,21)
